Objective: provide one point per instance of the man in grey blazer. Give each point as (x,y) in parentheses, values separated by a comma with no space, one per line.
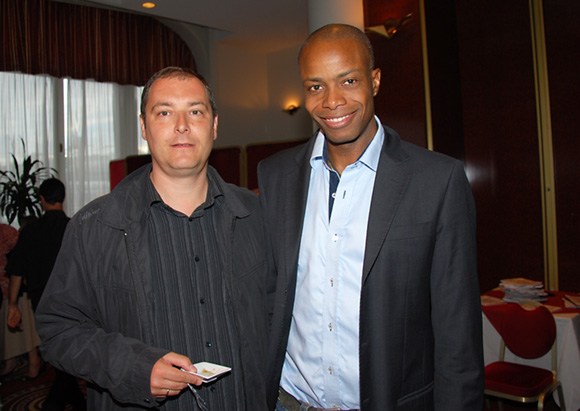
(376,303)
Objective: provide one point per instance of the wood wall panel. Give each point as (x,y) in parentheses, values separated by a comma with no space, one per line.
(400,103)
(484,112)
(501,137)
(444,76)
(563,51)
(483,105)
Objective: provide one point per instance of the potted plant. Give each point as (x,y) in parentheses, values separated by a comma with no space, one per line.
(19,195)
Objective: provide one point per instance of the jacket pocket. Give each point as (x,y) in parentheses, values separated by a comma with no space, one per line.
(254,273)
(423,395)
(402,232)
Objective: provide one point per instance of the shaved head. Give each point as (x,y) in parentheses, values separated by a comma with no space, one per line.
(333,32)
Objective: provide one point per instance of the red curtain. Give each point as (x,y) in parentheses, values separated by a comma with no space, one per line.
(66,40)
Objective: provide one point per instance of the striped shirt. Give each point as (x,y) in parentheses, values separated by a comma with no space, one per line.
(191,301)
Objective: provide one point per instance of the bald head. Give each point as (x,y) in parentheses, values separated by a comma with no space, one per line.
(333,32)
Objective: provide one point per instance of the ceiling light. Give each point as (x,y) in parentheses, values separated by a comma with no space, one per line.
(148,5)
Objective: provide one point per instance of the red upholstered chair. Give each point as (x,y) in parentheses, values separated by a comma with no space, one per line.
(528,334)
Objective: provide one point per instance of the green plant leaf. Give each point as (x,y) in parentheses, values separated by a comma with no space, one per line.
(19,195)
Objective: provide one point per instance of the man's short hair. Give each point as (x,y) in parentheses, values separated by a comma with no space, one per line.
(52,190)
(180,73)
(338,32)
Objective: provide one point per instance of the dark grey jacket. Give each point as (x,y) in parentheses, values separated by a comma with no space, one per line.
(94,318)
(420,346)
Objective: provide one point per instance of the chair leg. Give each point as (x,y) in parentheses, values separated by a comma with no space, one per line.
(500,405)
(541,403)
(561,396)
(487,404)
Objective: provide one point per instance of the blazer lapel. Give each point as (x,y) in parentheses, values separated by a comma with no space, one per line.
(390,183)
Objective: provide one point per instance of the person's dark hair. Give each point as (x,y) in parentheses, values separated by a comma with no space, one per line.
(180,73)
(341,31)
(52,190)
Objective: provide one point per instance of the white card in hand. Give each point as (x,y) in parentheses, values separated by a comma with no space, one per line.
(208,371)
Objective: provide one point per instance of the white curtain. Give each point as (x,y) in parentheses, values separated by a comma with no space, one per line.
(27,114)
(76,127)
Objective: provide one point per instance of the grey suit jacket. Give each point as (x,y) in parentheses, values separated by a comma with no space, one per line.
(420,342)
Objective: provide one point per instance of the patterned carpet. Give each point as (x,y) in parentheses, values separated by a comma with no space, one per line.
(19,395)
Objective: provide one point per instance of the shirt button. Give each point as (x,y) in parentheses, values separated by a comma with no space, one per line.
(333,195)
(330,370)
(202,301)
(208,344)
(329,326)
(196,259)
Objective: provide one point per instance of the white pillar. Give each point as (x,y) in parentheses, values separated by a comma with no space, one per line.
(323,12)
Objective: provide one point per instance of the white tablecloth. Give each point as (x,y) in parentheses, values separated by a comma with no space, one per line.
(568,329)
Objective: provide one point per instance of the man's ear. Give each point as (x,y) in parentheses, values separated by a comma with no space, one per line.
(215,126)
(376,80)
(143,127)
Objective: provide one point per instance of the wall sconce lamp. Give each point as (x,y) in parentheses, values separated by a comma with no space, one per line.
(291,109)
(390,27)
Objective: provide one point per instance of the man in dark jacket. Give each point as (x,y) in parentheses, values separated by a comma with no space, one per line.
(165,271)
(377,300)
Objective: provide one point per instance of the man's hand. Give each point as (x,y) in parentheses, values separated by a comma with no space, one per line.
(14,317)
(167,380)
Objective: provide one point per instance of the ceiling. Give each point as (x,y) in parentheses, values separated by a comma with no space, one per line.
(261,25)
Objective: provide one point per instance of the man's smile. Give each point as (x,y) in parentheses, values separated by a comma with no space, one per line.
(337,121)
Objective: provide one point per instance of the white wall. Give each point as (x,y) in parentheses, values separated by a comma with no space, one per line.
(241,92)
(251,88)
(251,91)
(284,88)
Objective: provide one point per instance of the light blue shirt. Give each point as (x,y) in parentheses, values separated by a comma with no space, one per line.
(322,359)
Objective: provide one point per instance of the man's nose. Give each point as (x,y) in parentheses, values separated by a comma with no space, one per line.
(333,98)
(181,124)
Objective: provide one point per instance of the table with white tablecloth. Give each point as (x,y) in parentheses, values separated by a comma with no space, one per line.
(568,346)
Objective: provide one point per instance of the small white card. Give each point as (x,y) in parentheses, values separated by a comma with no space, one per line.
(208,371)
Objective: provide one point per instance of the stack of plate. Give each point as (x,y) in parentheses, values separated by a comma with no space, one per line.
(522,289)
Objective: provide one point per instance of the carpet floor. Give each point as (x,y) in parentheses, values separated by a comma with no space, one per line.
(17,394)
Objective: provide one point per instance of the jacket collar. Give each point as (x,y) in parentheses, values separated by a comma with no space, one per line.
(130,201)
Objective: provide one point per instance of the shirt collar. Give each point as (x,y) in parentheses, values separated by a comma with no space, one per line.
(213,191)
(370,157)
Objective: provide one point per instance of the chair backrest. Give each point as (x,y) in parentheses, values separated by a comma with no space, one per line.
(528,333)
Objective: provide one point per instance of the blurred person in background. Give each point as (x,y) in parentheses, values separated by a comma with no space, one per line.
(32,260)
(20,340)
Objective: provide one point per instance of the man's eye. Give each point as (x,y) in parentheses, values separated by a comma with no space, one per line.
(315,87)
(163,113)
(195,112)
(350,81)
